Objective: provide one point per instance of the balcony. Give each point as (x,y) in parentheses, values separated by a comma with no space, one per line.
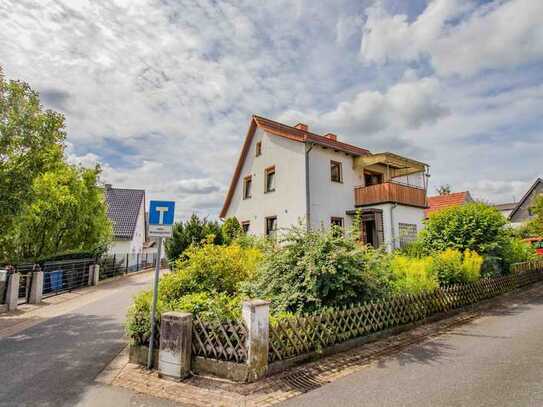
(390,192)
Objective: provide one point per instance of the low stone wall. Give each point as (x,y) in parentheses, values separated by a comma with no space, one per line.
(138,354)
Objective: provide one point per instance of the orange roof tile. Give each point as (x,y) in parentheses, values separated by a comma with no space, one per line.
(438,202)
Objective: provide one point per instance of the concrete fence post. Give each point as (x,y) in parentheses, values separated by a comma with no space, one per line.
(96,274)
(256,315)
(36,289)
(174,356)
(12,295)
(91,275)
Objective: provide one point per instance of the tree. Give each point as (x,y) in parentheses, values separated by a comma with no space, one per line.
(535,225)
(46,205)
(473,226)
(67,213)
(31,143)
(230,230)
(193,231)
(444,189)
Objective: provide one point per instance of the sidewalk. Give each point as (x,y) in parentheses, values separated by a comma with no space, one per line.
(28,315)
(201,391)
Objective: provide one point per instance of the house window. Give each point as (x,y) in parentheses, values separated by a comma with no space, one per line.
(247,187)
(336,221)
(408,233)
(258,148)
(245,226)
(271,225)
(336,173)
(531,211)
(270,179)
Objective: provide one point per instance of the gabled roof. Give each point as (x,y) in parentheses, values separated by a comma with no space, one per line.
(288,132)
(293,133)
(123,207)
(439,202)
(525,197)
(505,206)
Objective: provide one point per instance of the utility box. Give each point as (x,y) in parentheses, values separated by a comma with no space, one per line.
(3,285)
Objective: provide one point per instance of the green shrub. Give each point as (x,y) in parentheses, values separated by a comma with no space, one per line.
(453,267)
(448,266)
(474,226)
(210,268)
(516,251)
(230,230)
(309,270)
(138,323)
(412,275)
(208,305)
(471,266)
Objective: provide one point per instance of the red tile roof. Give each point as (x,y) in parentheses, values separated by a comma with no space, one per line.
(292,133)
(438,202)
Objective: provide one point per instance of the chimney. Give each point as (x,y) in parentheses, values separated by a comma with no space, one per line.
(331,136)
(302,126)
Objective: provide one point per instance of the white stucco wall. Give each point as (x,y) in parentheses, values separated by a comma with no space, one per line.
(136,244)
(331,199)
(400,214)
(287,202)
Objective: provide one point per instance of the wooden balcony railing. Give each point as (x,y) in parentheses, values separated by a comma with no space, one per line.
(390,192)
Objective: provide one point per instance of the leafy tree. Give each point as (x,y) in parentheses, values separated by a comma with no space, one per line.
(39,191)
(444,189)
(194,231)
(31,143)
(534,226)
(231,230)
(67,213)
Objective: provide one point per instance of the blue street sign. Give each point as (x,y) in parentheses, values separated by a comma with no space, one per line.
(161,212)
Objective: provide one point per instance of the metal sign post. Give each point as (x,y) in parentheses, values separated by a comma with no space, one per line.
(153,307)
(161,215)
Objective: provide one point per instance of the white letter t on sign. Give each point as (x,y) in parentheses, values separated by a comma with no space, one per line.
(161,210)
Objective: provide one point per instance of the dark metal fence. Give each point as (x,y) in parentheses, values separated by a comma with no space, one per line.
(66,275)
(122,263)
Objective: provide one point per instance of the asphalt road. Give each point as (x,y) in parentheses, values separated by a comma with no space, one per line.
(55,362)
(496,360)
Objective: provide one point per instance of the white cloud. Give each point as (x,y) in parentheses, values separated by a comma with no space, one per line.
(161,92)
(410,103)
(458,37)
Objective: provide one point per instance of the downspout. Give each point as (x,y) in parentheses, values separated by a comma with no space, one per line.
(308,149)
(392,233)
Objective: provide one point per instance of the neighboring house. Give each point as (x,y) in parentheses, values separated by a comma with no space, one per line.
(439,202)
(126,211)
(522,212)
(506,208)
(286,174)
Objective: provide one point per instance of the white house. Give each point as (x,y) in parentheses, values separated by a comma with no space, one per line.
(286,174)
(126,211)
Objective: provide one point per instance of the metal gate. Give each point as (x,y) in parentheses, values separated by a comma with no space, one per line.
(66,275)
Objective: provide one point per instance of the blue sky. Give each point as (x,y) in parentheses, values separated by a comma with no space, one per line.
(160,92)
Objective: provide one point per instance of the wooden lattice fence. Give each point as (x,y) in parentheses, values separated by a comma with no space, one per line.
(303,334)
(527,266)
(219,340)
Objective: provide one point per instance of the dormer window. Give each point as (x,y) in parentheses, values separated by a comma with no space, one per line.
(336,173)
(258,148)
(270,179)
(247,187)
